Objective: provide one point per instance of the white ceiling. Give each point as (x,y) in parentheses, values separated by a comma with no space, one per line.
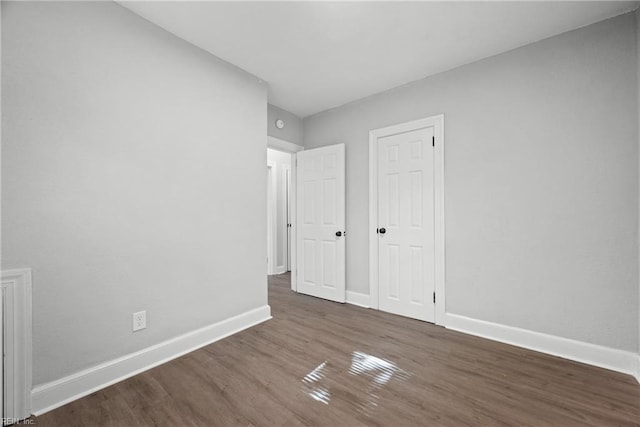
(319,55)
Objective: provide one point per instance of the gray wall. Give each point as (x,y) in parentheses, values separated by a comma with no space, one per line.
(541,182)
(292,131)
(119,142)
(280,160)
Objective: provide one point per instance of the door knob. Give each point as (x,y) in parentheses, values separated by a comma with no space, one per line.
(338,233)
(382,231)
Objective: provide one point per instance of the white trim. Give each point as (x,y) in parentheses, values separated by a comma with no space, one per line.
(16,286)
(373,221)
(282,145)
(637,374)
(294,225)
(2,351)
(272,214)
(437,122)
(439,219)
(284,249)
(592,354)
(287,216)
(49,396)
(356,298)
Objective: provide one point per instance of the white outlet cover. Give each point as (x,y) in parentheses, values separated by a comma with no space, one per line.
(139,320)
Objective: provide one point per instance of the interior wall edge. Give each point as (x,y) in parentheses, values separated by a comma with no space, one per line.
(637,16)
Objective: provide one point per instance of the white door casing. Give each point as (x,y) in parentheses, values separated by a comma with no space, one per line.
(271,221)
(406,199)
(293,230)
(321,222)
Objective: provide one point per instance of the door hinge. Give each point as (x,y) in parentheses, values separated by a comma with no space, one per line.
(433,141)
(434,297)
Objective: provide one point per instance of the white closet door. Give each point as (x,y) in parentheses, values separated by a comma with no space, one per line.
(406,224)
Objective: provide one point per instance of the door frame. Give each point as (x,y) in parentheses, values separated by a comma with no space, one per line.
(271,218)
(291,148)
(437,122)
(286,209)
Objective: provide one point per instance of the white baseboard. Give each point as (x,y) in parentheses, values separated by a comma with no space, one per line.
(591,354)
(51,395)
(356,298)
(281,269)
(637,375)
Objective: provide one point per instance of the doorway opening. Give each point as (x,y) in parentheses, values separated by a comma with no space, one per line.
(281,207)
(278,211)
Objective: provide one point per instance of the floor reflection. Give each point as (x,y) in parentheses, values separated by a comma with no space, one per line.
(314,382)
(379,372)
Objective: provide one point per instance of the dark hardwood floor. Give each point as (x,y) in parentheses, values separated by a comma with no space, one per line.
(323,363)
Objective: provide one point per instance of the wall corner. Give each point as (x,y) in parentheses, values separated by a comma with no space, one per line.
(637,27)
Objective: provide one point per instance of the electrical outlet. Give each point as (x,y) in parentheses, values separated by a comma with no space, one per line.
(139,320)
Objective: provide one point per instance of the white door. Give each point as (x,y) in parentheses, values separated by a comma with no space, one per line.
(406,273)
(321,222)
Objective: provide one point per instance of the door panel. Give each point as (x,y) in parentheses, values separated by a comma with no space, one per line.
(321,206)
(406,271)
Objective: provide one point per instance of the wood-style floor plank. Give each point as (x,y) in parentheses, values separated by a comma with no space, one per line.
(323,363)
